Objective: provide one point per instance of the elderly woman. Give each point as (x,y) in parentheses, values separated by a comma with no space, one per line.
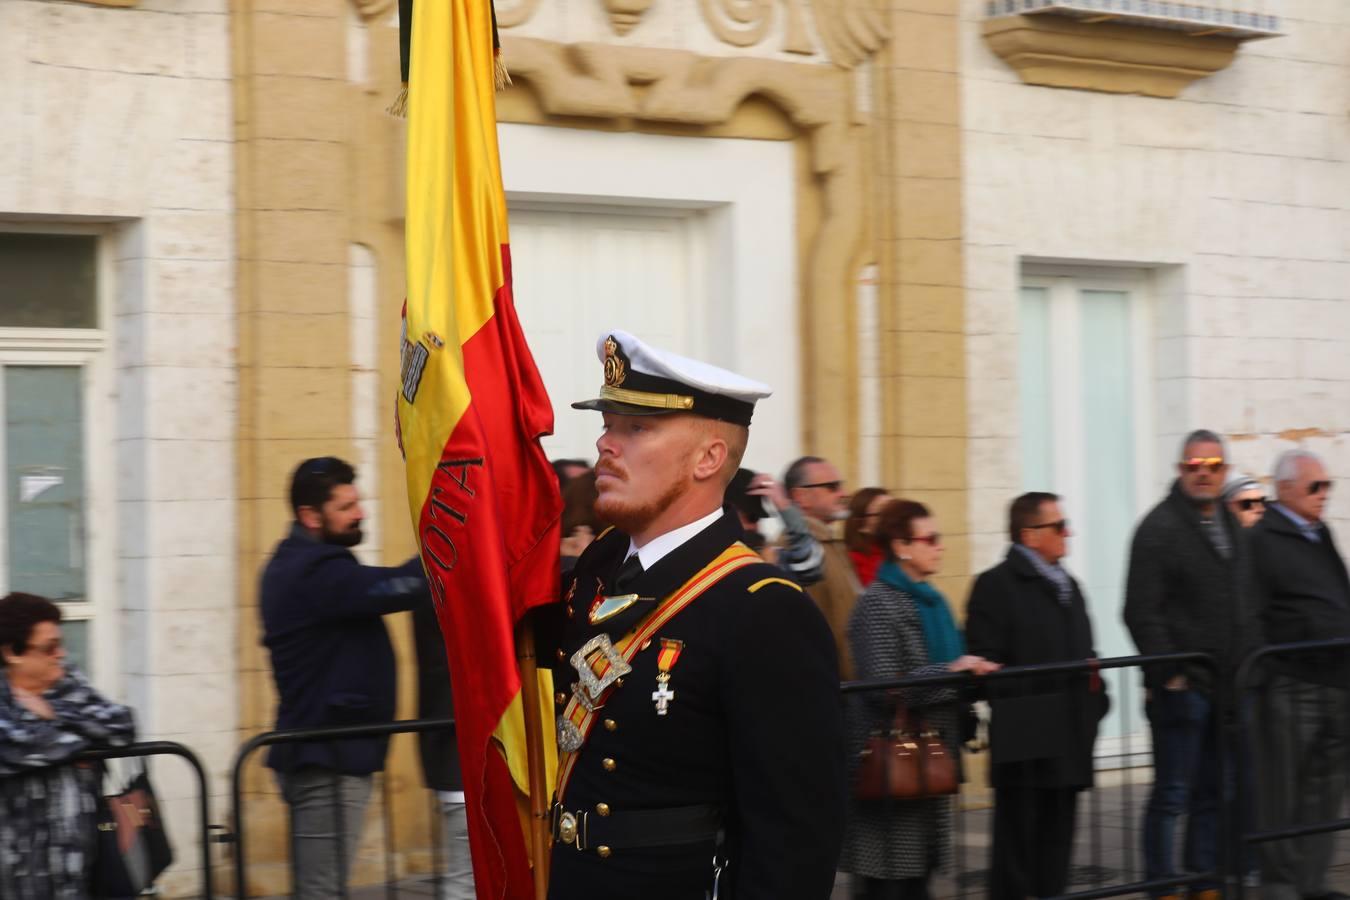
(901,627)
(1245,498)
(48,713)
(860,532)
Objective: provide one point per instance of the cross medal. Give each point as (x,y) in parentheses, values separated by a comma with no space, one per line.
(663,694)
(665,660)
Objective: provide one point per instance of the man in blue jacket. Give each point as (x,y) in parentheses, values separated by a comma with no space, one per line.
(334,665)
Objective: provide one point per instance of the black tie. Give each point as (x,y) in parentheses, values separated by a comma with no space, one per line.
(629,572)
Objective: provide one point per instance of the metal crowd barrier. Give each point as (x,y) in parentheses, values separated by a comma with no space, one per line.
(1089,864)
(1286,693)
(326,735)
(146,749)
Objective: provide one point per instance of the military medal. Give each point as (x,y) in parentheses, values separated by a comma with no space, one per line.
(665,661)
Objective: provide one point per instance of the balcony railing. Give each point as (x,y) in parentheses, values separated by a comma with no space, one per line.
(1242,19)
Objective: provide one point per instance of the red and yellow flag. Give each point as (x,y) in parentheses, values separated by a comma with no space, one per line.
(471,410)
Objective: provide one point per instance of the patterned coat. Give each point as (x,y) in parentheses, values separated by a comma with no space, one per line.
(899,839)
(46,805)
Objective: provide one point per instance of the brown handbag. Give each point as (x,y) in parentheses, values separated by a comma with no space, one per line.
(909,762)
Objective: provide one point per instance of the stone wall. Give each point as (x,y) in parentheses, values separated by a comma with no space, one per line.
(1236,195)
(122,118)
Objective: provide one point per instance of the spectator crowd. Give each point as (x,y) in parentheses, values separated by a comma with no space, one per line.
(1217,567)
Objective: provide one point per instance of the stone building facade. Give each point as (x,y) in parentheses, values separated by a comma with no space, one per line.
(976,253)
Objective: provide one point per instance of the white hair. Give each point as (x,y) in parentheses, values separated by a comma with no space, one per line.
(1286,467)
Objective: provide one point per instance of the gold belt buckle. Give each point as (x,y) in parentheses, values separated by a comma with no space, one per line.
(567,828)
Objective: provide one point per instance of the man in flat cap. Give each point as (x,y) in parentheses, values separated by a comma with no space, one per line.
(698,709)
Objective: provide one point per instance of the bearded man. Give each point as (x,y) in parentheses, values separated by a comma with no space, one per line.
(333,664)
(699,723)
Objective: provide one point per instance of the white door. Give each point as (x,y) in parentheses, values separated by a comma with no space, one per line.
(580,272)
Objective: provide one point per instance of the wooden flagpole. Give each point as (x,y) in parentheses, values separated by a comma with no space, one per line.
(541,838)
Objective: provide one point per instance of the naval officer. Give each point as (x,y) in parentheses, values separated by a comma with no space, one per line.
(699,723)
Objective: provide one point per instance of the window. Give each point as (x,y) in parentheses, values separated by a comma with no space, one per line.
(1086,389)
(50,353)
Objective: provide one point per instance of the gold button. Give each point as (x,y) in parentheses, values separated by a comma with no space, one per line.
(562,655)
(609,764)
(611,725)
(618,682)
(560,697)
(570,611)
(603,851)
(602,808)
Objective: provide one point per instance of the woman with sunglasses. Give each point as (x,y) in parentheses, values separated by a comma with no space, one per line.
(902,626)
(1245,499)
(48,714)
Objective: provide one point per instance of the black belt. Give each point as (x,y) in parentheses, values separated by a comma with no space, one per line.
(587,830)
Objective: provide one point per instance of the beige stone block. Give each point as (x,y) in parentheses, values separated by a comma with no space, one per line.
(195,175)
(928,308)
(935,463)
(940,354)
(955,561)
(81,37)
(207,46)
(207,112)
(305,340)
(298,236)
(923,96)
(297,403)
(291,106)
(929,208)
(292,174)
(925,41)
(299,44)
(300,287)
(932,407)
(191,235)
(927,150)
(948,506)
(929,262)
(190,286)
(190,403)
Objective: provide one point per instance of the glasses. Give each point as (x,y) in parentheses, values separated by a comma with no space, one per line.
(1060,527)
(932,540)
(828,485)
(1317,487)
(1250,503)
(1196,463)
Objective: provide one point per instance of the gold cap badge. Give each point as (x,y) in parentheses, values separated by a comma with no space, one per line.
(615,371)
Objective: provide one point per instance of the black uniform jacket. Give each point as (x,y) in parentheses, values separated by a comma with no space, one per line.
(754,729)
(1042,728)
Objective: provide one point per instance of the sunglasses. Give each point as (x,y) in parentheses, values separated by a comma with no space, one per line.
(1251,503)
(49,649)
(932,540)
(1060,527)
(1196,463)
(828,485)
(1317,487)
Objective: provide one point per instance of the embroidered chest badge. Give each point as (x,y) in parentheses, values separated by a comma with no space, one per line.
(665,661)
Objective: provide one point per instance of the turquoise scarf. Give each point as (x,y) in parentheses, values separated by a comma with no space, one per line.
(939,628)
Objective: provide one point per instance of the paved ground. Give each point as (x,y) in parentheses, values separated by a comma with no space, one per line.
(1106,853)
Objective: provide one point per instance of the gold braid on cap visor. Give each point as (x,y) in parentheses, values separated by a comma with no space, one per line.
(646,398)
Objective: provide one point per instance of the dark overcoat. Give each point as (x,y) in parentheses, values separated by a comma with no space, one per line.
(1042,728)
(754,730)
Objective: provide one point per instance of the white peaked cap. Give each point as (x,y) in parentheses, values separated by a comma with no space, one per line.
(644,380)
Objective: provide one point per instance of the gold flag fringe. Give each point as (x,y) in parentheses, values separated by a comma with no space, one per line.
(399,108)
(500,76)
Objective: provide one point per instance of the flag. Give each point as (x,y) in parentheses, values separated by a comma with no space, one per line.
(471,410)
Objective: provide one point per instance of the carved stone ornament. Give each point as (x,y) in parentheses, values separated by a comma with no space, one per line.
(625,14)
(371,9)
(850,30)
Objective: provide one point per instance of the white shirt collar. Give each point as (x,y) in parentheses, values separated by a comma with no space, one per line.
(660,547)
